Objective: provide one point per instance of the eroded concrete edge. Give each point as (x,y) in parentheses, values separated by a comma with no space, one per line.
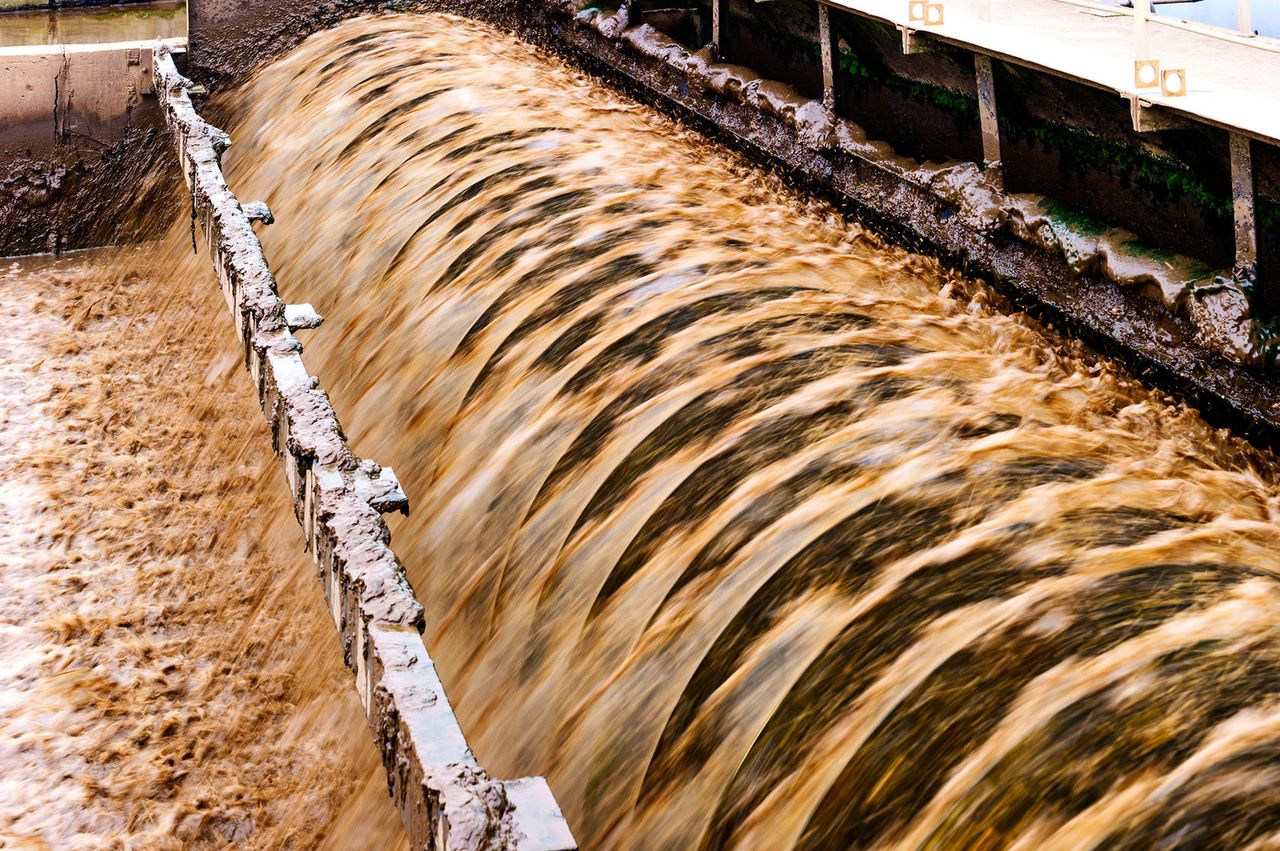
(446,799)
(1216,305)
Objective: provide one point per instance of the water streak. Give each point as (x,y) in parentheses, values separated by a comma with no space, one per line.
(746,529)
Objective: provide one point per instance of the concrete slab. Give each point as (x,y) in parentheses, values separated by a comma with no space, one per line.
(1230,84)
(87,89)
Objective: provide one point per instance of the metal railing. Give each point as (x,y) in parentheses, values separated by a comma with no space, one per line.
(1144,15)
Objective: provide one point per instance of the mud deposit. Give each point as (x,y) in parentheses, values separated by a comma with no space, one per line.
(169,677)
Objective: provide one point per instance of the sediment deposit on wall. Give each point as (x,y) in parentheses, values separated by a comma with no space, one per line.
(1217,306)
(746,528)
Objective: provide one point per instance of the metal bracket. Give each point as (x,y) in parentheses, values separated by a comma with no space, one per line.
(915,42)
(1173,82)
(925,13)
(1151,118)
(1146,74)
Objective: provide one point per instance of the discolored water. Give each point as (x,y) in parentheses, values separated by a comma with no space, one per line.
(136,22)
(746,529)
(169,675)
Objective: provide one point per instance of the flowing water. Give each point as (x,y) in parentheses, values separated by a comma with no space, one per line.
(169,675)
(746,529)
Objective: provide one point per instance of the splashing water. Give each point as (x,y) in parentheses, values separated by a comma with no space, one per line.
(746,529)
(169,675)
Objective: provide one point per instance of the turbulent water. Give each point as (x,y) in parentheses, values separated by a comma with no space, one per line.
(744,528)
(169,675)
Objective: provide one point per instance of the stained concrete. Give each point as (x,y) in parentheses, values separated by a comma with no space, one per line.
(1121,321)
(161,19)
(79,123)
(1230,85)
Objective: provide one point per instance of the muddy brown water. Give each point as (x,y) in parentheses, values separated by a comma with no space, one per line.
(746,529)
(169,675)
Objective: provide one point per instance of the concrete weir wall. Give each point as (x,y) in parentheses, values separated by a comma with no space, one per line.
(1122,233)
(836,100)
(446,798)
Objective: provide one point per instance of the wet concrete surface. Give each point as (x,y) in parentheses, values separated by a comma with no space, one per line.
(1119,321)
(225,32)
(570,325)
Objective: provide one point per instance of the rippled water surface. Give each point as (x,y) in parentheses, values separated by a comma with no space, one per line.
(134,22)
(169,675)
(745,529)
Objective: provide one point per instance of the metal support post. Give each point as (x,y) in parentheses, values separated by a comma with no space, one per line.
(1245,18)
(715,28)
(1141,12)
(1243,200)
(988,111)
(826,38)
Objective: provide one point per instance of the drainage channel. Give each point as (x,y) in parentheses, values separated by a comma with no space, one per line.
(446,799)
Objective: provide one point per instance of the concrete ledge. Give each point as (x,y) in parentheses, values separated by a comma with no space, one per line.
(88,89)
(36,5)
(446,799)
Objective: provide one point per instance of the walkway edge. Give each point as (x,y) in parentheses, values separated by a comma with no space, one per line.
(446,799)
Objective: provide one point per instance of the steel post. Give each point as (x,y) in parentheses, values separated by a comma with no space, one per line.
(1243,188)
(988,110)
(826,38)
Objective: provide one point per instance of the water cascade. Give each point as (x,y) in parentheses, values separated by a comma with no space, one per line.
(744,528)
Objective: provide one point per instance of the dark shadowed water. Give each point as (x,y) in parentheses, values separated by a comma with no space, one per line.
(745,529)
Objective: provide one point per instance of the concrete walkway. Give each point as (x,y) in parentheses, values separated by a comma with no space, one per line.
(1231,85)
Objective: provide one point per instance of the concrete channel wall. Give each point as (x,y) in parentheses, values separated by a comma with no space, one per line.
(76,122)
(1123,233)
(101,117)
(36,5)
(753,74)
(446,799)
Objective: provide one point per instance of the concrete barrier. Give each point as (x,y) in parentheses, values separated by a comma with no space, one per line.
(1186,325)
(77,122)
(446,799)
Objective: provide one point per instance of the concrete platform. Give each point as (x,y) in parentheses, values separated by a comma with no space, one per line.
(1230,84)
